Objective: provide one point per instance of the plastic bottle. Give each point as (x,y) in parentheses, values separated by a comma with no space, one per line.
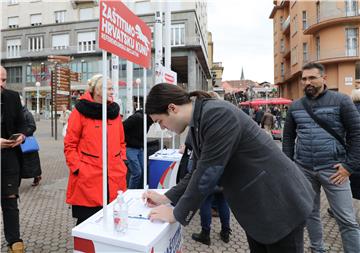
(120,214)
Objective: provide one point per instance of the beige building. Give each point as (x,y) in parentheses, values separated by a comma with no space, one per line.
(325,32)
(216,68)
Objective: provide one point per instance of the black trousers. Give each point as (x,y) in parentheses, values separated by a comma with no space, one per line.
(10,181)
(292,243)
(82,213)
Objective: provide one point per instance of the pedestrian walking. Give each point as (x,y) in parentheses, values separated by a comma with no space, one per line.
(259,115)
(12,135)
(32,166)
(64,117)
(83,151)
(268,122)
(267,193)
(322,135)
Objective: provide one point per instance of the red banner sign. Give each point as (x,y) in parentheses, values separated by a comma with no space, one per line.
(122,33)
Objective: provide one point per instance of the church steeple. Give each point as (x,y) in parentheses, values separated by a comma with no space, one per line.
(242,74)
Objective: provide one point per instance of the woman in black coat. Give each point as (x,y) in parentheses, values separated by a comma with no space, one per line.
(31,167)
(355,177)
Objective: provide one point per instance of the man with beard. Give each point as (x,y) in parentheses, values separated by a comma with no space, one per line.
(325,160)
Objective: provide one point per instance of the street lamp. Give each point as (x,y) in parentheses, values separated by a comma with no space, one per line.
(37,84)
(266,86)
(138,82)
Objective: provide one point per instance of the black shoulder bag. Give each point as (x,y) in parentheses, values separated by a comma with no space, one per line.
(322,123)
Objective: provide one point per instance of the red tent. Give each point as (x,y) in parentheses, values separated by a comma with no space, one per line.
(259,102)
(280,101)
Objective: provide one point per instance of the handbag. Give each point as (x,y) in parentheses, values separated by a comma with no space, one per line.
(322,123)
(30,145)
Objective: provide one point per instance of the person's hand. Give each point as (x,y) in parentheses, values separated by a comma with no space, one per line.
(340,176)
(18,141)
(162,213)
(152,198)
(6,143)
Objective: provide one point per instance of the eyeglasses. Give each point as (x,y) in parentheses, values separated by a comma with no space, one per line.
(310,78)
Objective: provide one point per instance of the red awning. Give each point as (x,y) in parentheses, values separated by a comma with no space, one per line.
(280,101)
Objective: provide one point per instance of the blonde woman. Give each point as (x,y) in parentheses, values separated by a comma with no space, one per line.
(83,151)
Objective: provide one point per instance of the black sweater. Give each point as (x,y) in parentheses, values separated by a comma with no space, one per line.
(134,129)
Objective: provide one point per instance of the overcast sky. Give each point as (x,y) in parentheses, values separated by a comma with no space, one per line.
(243,37)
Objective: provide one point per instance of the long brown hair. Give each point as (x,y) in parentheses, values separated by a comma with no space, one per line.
(163,94)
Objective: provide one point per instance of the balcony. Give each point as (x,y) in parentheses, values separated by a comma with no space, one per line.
(76,3)
(286,25)
(333,55)
(327,21)
(48,51)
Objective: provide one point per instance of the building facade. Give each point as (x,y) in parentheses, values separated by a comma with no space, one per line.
(325,32)
(216,68)
(35,29)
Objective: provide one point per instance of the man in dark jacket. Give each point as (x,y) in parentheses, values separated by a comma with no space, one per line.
(12,122)
(267,193)
(134,138)
(324,160)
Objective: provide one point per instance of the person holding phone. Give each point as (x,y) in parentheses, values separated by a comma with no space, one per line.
(12,135)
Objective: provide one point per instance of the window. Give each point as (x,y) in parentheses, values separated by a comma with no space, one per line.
(318,12)
(317,48)
(304,20)
(11,2)
(282,69)
(351,7)
(86,42)
(281,20)
(282,46)
(357,70)
(351,41)
(178,35)
(35,43)
(305,52)
(60,41)
(13,22)
(295,25)
(13,48)
(294,59)
(14,74)
(35,19)
(86,13)
(60,16)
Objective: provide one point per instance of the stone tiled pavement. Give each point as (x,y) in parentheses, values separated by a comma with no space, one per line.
(46,220)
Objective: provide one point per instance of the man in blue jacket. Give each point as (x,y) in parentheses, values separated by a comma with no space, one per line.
(324,159)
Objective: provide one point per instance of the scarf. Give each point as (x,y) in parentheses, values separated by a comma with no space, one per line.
(94,110)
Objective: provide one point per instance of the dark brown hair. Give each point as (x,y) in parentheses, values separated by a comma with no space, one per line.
(314,65)
(163,94)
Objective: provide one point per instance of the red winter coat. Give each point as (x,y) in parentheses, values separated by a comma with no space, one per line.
(83,152)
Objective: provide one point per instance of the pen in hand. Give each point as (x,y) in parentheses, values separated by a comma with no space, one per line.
(146,199)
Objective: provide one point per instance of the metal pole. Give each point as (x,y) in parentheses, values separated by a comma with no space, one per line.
(104,134)
(145,127)
(115,77)
(168,49)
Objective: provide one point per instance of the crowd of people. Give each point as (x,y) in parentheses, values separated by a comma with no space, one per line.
(231,163)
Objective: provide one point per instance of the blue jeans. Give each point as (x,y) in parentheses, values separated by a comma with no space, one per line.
(223,209)
(135,158)
(341,203)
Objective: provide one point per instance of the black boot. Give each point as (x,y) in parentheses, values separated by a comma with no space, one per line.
(331,213)
(203,237)
(225,234)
